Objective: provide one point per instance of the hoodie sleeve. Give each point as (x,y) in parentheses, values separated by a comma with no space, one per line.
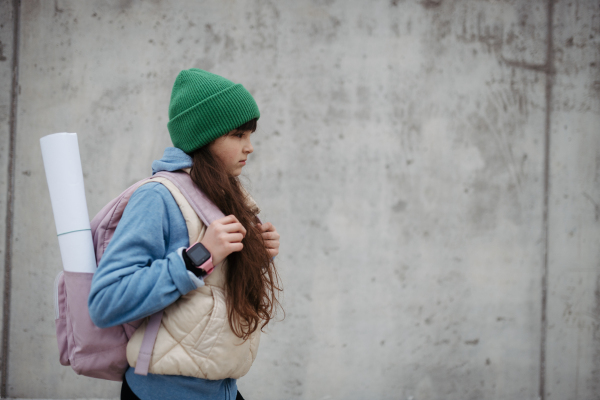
(141,271)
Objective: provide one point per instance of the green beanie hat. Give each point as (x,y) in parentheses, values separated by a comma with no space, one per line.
(206,106)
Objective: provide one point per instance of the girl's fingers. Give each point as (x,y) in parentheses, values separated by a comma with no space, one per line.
(234,237)
(272,244)
(229,219)
(273,252)
(234,227)
(267,226)
(270,235)
(236,246)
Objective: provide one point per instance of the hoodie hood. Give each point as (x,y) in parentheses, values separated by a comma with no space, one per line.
(173,159)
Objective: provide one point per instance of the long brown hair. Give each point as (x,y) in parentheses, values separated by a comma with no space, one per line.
(251,281)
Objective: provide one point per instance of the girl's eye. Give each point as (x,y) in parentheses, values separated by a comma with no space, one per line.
(239,135)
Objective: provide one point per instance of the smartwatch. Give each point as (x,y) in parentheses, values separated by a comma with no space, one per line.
(198,260)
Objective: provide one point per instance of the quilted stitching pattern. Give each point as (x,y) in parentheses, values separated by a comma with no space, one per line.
(195,338)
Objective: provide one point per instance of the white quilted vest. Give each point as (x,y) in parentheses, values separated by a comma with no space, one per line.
(195,338)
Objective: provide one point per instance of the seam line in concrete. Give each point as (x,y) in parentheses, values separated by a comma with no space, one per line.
(10,198)
(548,69)
(547,127)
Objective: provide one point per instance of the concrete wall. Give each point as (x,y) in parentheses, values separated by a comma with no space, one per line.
(432,166)
(7,19)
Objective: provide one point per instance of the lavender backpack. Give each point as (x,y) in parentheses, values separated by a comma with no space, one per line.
(101,353)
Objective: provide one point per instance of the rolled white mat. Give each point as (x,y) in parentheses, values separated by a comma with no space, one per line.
(62,163)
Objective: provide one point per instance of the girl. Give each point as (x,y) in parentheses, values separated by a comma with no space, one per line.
(146,267)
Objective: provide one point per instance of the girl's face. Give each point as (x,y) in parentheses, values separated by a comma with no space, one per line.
(232,150)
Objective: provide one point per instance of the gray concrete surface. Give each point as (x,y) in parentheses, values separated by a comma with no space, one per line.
(402,153)
(6,69)
(574,282)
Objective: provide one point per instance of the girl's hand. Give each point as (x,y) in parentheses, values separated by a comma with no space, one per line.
(271,238)
(223,237)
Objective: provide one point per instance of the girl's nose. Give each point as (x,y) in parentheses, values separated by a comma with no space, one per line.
(248,148)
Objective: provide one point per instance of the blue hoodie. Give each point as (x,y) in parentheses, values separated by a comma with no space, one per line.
(141,273)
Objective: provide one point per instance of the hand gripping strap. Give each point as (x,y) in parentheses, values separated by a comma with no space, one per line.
(143,361)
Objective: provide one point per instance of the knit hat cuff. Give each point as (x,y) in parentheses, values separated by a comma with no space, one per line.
(212,118)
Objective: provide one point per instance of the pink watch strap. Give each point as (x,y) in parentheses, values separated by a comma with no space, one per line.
(208,266)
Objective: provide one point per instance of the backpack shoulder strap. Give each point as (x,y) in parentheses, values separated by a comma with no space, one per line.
(194,225)
(201,204)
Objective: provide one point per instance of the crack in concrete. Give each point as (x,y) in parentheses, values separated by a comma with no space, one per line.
(10,200)
(549,71)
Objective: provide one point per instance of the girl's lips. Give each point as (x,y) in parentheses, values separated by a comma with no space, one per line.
(243,162)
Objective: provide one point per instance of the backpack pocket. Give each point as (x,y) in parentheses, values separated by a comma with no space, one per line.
(91,351)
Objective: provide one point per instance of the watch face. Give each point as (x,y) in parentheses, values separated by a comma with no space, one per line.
(198,254)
